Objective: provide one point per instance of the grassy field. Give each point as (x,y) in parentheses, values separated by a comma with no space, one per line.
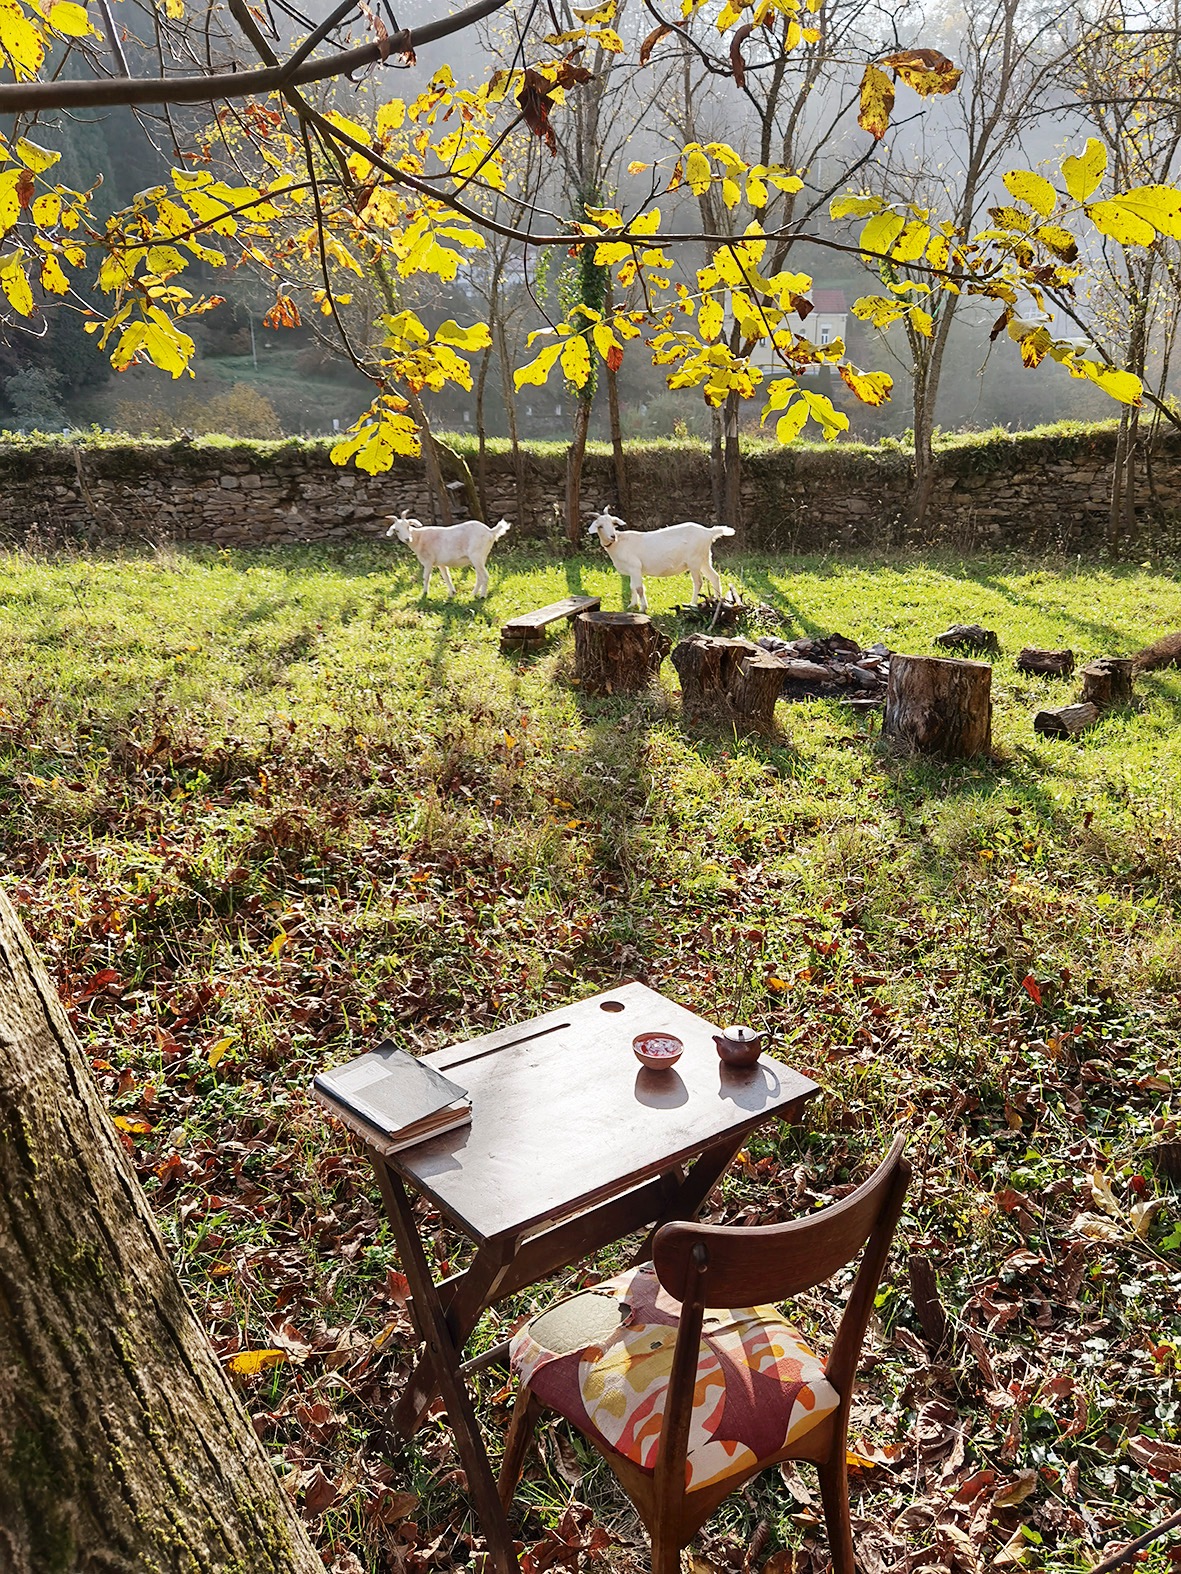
(257,807)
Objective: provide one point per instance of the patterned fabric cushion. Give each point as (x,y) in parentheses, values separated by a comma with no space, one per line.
(603,1359)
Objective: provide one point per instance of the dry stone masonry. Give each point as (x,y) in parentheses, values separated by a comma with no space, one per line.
(1025,491)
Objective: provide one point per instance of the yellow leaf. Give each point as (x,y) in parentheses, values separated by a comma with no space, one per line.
(731,192)
(34,157)
(249,1363)
(1159,206)
(278,943)
(70,19)
(877,100)
(47,209)
(174,9)
(787,429)
(52,277)
(710,317)
(698,171)
(1035,190)
(536,372)
(15,285)
(822,410)
(137,1127)
(164,261)
(853,207)
(20,41)
(477,337)
(636,167)
(1124,386)
(217,1051)
(920,320)
(1112,218)
(1082,175)
(391,116)
(912,243)
(576,361)
(882,231)
(871,388)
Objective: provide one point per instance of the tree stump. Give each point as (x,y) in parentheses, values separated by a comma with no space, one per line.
(1108,682)
(728,677)
(939,705)
(1046,663)
(617,652)
(1066,722)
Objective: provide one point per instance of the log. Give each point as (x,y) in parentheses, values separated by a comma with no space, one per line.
(1108,682)
(1067,721)
(1047,663)
(939,705)
(617,652)
(1165,652)
(728,677)
(969,636)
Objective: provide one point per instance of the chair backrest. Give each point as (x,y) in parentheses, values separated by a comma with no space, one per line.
(721,1265)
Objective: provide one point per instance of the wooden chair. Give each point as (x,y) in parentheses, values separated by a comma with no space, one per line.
(665,1391)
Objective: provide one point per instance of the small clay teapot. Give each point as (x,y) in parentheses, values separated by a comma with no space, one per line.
(739,1046)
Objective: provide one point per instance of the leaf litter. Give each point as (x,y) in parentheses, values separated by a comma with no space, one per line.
(228,900)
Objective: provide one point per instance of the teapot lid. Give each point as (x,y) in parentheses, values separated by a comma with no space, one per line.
(743,1034)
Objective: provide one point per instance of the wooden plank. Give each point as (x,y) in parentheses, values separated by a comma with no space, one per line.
(533,622)
(563,1115)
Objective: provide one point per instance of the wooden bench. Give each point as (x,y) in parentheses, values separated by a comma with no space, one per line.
(528,631)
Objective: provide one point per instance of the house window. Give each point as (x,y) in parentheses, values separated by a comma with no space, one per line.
(825,334)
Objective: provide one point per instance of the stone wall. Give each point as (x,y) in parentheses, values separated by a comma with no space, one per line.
(1027,491)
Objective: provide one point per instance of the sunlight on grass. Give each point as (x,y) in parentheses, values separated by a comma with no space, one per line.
(258,807)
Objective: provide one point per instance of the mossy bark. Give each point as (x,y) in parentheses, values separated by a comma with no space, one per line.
(122,1444)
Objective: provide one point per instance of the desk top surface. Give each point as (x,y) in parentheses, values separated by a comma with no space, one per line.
(564,1115)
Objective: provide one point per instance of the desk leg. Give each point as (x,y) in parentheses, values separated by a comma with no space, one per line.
(690,1196)
(445,1356)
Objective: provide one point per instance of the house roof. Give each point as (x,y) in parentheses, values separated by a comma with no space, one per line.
(829,301)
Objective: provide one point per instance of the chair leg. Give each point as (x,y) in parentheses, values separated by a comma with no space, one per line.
(834,1494)
(516,1444)
(666,1554)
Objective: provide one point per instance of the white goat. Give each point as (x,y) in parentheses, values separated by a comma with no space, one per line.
(677,549)
(445,547)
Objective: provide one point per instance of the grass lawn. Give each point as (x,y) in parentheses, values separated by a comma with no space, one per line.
(258,807)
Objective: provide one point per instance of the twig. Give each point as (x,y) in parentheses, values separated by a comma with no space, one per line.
(1133,1547)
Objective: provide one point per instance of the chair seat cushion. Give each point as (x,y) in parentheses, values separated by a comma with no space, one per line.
(603,1359)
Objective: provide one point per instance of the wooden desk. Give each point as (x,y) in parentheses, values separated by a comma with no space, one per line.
(572,1145)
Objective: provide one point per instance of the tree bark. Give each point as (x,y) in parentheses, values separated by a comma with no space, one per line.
(123,1448)
(510,410)
(1065,722)
(619,453)
(430,458)
(482,437)
(732,502)
(1051,663)
(1108,682)
(574,458)
(940,706)
(617,652)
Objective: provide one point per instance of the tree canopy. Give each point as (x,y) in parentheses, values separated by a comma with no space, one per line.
(340,211)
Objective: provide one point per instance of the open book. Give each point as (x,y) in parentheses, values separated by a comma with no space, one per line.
(391,1099)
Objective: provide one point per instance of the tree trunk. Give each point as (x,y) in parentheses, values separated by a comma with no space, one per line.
(510,410)
(616,652)
(717,466)
(732,502)
(622,479)
(940,706)
(482,437)
(123,1447)
(1108,682)
(728,678)
(430,458)
(1115,519)
(574,458)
